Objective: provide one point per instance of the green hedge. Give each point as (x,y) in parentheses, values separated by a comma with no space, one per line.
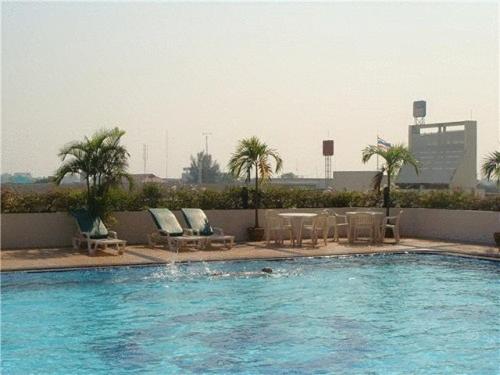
(155,195)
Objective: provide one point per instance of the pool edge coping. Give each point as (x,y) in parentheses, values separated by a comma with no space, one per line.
(421,251)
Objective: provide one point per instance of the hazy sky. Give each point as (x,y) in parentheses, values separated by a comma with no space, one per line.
(290,73)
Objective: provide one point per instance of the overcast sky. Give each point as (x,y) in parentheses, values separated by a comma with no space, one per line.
(292,74)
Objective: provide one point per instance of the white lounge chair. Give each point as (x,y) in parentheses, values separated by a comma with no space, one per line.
(170,234)
(93,232)
(199,226)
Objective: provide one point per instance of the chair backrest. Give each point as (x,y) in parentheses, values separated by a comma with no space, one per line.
(90,224)
(273,219)
(339,219)
(166,220)
(362,219)
(321,221)
(198,221)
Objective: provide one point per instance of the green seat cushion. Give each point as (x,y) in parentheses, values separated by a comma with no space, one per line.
(198,221)
(90,224)
(165,220)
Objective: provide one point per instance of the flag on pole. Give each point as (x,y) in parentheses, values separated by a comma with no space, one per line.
(382,143)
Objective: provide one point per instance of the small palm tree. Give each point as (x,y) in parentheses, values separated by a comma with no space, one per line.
(394,158)
(491,167)
(100,160)
(250,154)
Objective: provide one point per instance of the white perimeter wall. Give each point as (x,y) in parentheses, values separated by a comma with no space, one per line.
(46,230)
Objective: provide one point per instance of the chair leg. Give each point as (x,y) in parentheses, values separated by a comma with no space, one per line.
(92,250)
(396,234)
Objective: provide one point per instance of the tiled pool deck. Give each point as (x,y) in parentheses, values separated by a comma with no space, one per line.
(34,259)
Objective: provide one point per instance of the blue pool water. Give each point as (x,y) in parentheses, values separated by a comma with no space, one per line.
(393,314)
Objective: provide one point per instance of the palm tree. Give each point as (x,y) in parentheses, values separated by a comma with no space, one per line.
(491,167)
(100,160)
(395,157)
(250,154)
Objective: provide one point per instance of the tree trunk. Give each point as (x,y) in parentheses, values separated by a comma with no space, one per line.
(256,196)
(388,203)
(88,192)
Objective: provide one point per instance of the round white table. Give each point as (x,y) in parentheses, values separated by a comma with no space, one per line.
(378,218)
(297,220)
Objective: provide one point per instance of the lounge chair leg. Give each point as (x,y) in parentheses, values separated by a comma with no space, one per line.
(92,250)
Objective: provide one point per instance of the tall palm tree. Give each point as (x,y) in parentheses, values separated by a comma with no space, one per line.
(100,160)
(250,154)
(394,158)
(491,167)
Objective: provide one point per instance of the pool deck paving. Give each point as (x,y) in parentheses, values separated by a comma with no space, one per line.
(61,258)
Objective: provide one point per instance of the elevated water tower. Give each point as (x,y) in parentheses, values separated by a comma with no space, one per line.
(328,153)
(419,111)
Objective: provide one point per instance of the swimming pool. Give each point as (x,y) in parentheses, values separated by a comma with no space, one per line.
(372,314)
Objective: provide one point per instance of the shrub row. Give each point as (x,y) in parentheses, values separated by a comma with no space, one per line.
(155,195)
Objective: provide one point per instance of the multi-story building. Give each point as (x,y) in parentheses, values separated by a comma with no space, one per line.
(447,153)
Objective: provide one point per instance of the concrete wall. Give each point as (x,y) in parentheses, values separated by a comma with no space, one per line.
(45,230)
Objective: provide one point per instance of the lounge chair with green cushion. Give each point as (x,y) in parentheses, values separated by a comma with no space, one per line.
(93,232)
(199,225)
(169,232)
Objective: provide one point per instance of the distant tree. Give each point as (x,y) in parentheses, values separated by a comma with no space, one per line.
(210,170)
(101,161)
(394,158)
(289,175)
(491,167)
(251,154)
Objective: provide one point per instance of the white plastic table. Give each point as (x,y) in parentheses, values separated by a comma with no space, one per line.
(378,217)
(297,220)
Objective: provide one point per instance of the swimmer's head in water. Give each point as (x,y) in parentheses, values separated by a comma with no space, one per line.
(267,270)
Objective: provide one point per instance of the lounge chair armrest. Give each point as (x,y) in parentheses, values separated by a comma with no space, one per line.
(113,234)
(163,232)
(85,234)
(188,231)
(218,231)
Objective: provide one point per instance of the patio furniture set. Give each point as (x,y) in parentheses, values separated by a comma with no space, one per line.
(200,234)
(293,225)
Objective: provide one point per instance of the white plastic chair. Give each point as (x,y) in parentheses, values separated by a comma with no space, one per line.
(340,222)
(359,222)
(276,227)
(318,228)
(392,223)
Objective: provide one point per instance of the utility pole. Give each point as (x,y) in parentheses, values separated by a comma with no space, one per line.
(206,135)
(166,154)
(145,156)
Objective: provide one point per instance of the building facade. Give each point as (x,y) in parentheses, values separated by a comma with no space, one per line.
(447,154)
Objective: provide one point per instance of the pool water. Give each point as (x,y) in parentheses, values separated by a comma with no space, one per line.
(392,314)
